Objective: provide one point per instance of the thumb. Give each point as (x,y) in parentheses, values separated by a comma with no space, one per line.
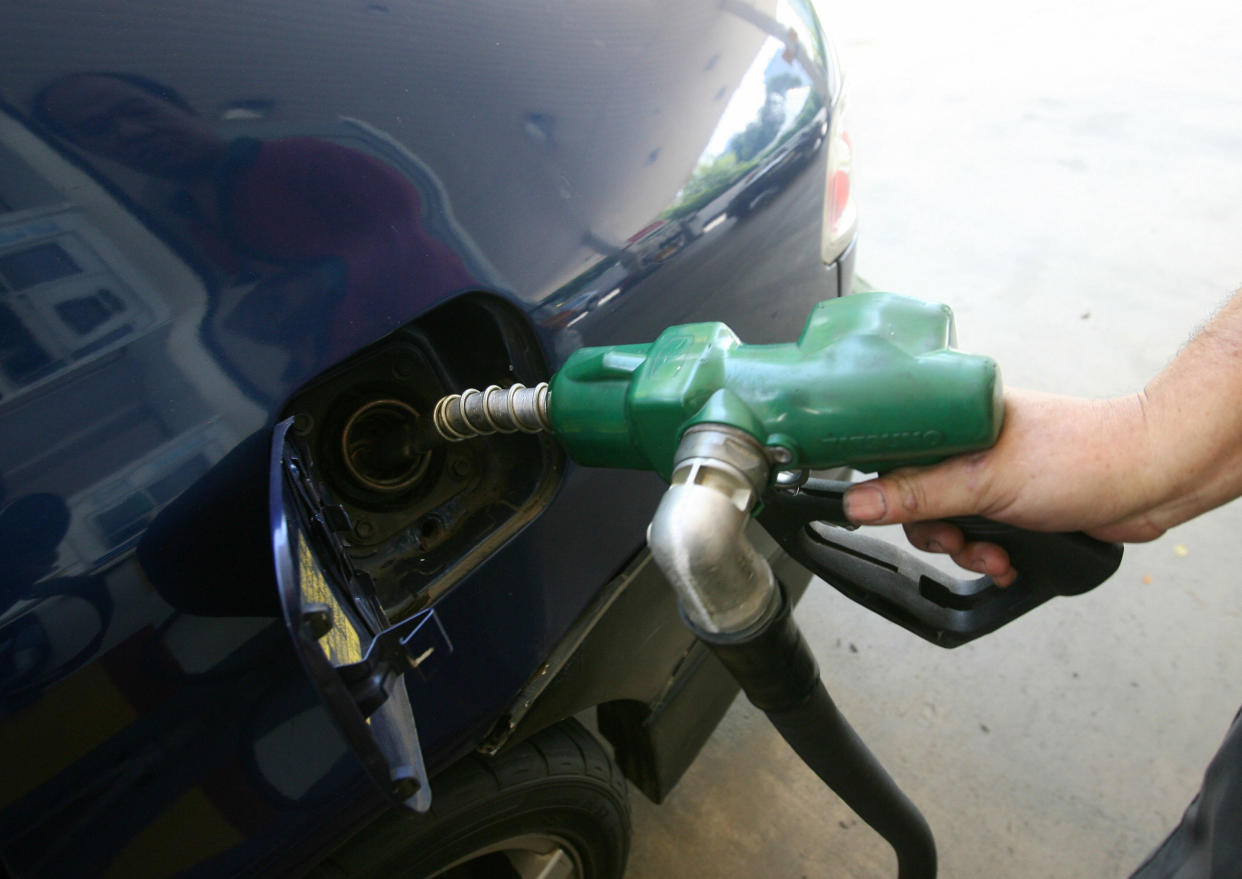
(916,494)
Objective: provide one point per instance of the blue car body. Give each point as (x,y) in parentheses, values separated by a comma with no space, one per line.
(381,196)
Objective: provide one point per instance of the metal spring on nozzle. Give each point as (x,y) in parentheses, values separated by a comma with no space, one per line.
(516,409)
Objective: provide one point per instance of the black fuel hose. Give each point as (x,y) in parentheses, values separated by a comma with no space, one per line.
(778,673)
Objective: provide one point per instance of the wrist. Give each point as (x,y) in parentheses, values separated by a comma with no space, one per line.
(1130,439)
(1194,441)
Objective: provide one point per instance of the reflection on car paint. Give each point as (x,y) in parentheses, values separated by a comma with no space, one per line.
(766,133)
(191,227)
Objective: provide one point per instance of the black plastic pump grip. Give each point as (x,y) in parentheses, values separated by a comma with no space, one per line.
(915,594)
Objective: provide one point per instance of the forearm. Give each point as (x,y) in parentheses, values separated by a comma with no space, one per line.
(1193,412)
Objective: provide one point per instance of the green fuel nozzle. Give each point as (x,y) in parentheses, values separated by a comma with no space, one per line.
(873,383)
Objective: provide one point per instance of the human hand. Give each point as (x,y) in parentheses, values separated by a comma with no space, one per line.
(1060,464)
(1125,469)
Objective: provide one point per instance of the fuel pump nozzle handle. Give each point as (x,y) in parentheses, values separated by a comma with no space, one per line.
(917,595)
(873,382)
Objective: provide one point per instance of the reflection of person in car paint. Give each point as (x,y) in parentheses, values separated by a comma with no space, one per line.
(315,227)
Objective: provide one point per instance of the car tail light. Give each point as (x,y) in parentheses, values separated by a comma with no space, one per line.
(840,215)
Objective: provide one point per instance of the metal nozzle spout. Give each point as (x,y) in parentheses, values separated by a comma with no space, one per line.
(698,534)
(516,409)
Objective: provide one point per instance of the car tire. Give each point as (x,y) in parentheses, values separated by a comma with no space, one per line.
(555,805)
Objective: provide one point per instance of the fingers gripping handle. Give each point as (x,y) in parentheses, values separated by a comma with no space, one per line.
(918,596)
(1058,563)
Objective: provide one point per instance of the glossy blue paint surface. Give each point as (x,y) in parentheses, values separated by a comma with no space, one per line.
(265,189)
